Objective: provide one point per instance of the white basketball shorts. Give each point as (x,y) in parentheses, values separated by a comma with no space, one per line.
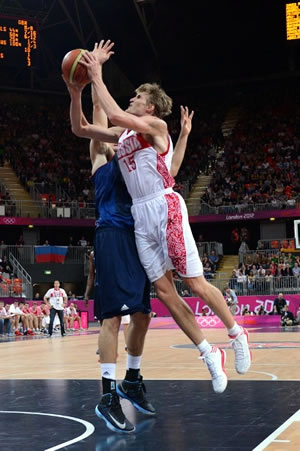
(163,236)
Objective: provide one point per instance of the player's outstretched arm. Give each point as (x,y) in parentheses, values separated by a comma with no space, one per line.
(100,152)
(180,148)
(80,126)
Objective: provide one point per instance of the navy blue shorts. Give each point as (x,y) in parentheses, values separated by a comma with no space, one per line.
(122,287)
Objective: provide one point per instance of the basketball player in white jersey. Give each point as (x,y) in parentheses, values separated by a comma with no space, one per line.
(163,235)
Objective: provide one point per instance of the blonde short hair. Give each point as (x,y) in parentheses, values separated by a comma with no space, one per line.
(157,97)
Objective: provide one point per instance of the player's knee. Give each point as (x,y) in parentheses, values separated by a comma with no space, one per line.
(111,325)
(140,320)
(164,294)
(198,286)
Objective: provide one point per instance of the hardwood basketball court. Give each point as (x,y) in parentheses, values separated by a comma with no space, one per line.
(50,380)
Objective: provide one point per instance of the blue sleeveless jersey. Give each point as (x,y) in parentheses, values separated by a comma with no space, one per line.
(113,203)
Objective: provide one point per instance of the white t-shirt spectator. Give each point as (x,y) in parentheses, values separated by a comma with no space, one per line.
(56,298)
(296,271)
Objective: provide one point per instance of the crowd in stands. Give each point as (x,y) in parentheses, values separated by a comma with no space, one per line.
(259,165)
(41,148)
(262,270)
(38,142)
(261,162)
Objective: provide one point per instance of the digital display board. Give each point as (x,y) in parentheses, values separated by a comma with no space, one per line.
(18,41)
(292,21)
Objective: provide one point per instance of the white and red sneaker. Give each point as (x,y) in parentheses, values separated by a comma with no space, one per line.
(240,344)
(215,361)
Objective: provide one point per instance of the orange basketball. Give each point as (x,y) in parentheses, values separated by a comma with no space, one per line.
(73,70)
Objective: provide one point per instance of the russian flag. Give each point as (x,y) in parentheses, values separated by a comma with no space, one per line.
(54,254)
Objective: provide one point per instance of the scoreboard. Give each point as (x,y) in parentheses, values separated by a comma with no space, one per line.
(18,41)
(292,21)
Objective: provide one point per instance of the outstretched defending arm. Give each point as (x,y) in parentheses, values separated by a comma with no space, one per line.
(100,152)
(180,148)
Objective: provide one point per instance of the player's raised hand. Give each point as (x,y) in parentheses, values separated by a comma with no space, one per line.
(103,50)
(90,61)
(186,120)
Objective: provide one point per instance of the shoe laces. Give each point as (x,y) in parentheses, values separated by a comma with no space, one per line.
(141,385)
(114,402)
(238,346)
(137,386)
(211,364)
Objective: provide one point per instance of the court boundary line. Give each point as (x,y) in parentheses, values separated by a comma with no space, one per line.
(271,438)
(89,427)
(151,379)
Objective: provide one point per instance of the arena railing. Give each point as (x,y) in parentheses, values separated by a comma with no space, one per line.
(205,247)
(26,254)
(77,209)
(22,274)
(48,209)
(263,286)
(205,208)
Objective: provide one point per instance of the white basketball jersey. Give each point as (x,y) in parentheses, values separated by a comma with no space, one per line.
(144,170)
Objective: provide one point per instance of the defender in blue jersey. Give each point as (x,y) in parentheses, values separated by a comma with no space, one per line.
(123,287)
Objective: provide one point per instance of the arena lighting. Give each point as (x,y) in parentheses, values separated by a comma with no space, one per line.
(30,226)
(47,272)
(292,21)
(272,219)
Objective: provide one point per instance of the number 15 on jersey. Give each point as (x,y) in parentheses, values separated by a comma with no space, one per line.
(130,163)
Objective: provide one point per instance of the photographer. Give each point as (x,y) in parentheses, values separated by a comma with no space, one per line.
(287,317)
(231,299)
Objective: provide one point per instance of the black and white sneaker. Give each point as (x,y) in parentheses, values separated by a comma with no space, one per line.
(109,409)
(135,393)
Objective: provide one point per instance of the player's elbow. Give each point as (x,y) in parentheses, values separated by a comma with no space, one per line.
(77,130)
(80,131)
(116,119)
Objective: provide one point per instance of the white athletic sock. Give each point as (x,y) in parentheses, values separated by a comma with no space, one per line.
(235,330)
(108,370)
(204,347)
(133,362)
